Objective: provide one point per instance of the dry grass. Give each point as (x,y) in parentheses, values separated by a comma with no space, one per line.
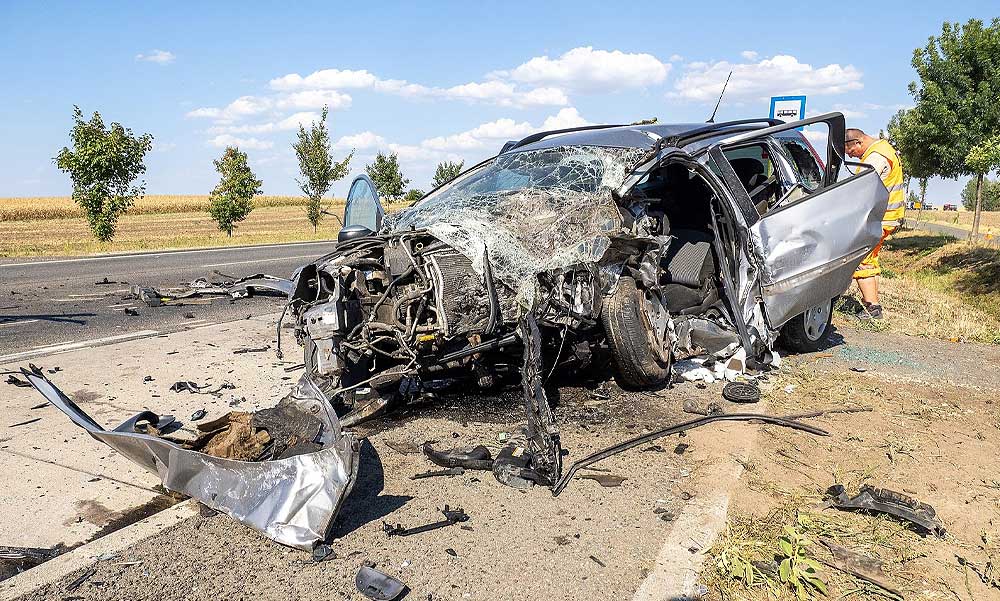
(936,287)
(962,219)
(156,222)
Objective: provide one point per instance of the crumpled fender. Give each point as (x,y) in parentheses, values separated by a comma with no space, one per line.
(293,501)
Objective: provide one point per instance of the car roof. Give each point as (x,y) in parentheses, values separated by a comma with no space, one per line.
(639,136)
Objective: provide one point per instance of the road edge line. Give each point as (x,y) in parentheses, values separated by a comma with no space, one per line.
(58,568)
(678,564)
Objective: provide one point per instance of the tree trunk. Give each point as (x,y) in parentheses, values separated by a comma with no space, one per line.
(979,207)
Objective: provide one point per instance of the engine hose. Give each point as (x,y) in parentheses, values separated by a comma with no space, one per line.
(388,289)
(675,429)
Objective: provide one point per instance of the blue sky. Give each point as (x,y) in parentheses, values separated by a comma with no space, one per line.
(430,81)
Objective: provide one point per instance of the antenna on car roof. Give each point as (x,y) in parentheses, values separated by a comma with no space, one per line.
(712,118)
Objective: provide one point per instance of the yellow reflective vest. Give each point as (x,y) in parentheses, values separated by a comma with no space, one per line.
(893,181)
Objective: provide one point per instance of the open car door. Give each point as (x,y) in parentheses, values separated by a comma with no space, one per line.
(363,208)
(809,247)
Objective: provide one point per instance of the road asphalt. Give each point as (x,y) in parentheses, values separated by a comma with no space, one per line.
(52,304)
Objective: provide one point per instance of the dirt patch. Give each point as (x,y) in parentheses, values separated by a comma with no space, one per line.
(93,512)
(937,441)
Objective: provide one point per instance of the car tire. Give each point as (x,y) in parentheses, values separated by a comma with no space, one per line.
(637,365)
(808,331)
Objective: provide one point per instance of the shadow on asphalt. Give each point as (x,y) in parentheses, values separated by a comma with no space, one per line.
(366,503)
(61,318)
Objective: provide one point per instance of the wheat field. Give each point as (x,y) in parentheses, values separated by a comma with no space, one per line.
(55,226)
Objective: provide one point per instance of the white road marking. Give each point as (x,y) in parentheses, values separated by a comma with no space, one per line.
(677,569)
(260,261)
(19,322)
(90,295)
(176,252)
(69,346)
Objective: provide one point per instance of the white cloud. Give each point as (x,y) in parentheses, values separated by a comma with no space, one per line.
(567,117)
(221,141)
(315,99)
(503,94)
(587,69)
(241,107)
(326,79)
(676,58)
(363,140)
(160,57)
(289,123)
(494,133)
(750,55)
(775,76)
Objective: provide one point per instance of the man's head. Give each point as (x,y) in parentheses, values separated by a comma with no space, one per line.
(856,142)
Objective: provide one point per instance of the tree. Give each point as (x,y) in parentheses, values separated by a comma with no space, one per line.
(446,171)
(982,159)
(956,108)
(413,195)
(318,168)
(385,174)
(103,165)
(990,191)
(232,199)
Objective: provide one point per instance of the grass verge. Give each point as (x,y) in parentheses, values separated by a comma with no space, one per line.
(937,287)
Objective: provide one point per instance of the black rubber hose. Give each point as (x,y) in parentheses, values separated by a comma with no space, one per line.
(681,427)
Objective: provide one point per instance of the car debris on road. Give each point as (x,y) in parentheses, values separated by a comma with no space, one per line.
(233,288)
(378,585)
(451,517)
(293,499)
(881,500)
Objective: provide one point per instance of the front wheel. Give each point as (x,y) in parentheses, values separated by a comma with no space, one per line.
(808,331)
(635,326)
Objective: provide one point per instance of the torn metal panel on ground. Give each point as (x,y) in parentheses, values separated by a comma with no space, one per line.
(293,500)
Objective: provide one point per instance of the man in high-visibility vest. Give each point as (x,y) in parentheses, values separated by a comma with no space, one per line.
(882,156)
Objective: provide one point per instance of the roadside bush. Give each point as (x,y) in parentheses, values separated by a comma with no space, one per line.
(103,165)
(232,199)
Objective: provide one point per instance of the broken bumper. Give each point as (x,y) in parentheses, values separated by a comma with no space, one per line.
(293,501)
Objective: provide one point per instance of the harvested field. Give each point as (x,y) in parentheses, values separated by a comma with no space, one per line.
(55,227)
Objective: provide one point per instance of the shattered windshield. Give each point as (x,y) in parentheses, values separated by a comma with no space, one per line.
(534,210)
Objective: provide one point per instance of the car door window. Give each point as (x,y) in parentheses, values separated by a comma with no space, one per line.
(803,161)
(757,171)
(363,207)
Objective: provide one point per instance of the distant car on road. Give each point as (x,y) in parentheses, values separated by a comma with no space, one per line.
(949,207)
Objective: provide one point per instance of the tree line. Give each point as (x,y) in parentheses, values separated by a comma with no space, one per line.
(104,164)
(953,129)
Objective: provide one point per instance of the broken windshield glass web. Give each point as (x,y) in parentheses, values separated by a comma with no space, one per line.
(535,210)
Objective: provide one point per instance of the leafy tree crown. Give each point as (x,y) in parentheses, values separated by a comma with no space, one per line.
(387,177)
(103,166)
(232,199)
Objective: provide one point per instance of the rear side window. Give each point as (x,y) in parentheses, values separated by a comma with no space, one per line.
(803,162)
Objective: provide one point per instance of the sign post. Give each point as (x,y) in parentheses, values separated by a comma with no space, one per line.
(788,108)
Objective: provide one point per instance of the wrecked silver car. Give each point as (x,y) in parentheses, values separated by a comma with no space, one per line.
(569,254)
(633,245)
